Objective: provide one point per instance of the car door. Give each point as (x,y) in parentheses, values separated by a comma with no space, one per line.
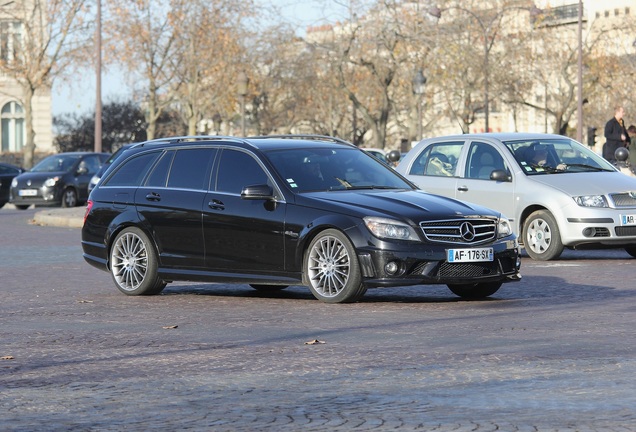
(435,168)
(242,236)
(171,200)
(476,186)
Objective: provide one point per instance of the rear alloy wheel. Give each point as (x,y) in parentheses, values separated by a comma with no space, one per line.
(332,269)
(69,198)
(133,264)
(476,290)
(541,236)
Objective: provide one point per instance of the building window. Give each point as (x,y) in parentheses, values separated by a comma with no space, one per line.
(10,40)
(12,127)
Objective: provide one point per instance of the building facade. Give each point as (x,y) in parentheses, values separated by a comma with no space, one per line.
(12,108)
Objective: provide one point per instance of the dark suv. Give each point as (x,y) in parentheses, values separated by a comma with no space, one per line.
(279,211)
(60,179)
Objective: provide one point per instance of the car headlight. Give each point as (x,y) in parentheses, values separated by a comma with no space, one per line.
(503,228)
(591,201)
(14,182)
(390,229)
(50,182)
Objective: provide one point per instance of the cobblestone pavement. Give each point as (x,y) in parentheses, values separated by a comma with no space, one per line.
(554,352)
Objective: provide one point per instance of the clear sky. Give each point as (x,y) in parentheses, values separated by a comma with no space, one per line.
(78,96)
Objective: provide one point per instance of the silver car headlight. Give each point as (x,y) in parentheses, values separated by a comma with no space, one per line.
(390,229)
(50,182)
(503,228)
(14,182)
(591,201)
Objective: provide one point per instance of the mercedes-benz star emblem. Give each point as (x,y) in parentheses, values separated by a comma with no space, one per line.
(467,231)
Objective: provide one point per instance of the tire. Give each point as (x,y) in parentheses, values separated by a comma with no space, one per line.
(22,207)
(476,290)
(268,288)
(541,236)
(631,250)
(133,264)
(69,198)
(332,270)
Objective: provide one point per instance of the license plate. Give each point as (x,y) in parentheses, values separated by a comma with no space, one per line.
(628,219)
(28,192)
(469,255)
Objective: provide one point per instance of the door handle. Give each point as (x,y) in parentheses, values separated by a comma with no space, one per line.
(463,188)
(153,196)
(216,205)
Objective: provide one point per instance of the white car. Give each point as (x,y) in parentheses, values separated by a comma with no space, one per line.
(556,192)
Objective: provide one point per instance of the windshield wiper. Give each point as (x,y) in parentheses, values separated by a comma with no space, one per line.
(586,166)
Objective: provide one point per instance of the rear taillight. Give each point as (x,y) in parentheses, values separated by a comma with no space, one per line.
(89,206)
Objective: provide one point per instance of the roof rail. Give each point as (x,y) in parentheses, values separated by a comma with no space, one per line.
(304,136)
(188,138)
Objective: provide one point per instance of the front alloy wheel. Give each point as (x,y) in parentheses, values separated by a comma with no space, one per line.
(69,198)
(133,264)
(332,270)
(541,236)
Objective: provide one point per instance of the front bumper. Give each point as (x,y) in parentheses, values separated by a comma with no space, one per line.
(49,196)
(429,266)
(597,227)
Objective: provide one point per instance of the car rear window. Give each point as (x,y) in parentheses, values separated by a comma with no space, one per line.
(132,171)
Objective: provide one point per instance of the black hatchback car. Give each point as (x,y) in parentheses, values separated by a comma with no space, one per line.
(279,211)
(60,179)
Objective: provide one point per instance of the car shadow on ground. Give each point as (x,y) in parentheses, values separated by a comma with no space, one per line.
(537,289)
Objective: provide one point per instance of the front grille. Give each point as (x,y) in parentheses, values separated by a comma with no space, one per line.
(625,231)
(450,231)
(467,270)
(623,200)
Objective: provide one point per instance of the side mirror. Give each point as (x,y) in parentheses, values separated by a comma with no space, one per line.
(82,170)
(257,192)
(500,175)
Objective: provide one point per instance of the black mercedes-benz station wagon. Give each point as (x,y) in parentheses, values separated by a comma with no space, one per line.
(286,210)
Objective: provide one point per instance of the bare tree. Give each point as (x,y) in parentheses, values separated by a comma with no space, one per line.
(52,35)
(141,36)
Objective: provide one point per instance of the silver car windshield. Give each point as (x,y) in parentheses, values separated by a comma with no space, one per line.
(329,169)
(552,156)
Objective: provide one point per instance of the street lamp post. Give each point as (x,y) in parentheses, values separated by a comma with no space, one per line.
(242,82)
(579,95)
(419,80)
(98,79)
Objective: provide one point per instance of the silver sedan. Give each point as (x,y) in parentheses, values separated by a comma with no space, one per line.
(556,192)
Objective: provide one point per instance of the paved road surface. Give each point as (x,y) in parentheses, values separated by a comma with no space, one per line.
(554,352)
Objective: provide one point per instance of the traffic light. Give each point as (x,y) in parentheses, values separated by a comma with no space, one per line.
(591,136)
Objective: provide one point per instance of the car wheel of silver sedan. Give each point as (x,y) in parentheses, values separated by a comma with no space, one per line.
(475,290)
(631,250)
(541,236)
(332,270)
(133,264)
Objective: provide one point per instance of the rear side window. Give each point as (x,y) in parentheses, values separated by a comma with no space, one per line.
(132,171)
(237,170)
(190,168)
(438,160)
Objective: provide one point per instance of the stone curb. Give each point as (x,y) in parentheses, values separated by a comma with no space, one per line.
(61,217)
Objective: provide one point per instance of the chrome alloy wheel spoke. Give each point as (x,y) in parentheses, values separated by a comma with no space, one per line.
(329,266)
(129,261)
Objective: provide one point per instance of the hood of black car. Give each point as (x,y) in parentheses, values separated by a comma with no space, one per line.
(37,177)
(409,204)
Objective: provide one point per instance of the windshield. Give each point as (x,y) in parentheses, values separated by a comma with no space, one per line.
(549,156)
(320,169)
(56,163)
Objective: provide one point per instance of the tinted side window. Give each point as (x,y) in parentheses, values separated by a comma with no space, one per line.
(238,169)
(132,172)
(438,160)
(91,163)
(159,175)
(190,168)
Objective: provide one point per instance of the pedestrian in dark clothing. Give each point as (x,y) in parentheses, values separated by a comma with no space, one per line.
(615,134)
(631,131)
